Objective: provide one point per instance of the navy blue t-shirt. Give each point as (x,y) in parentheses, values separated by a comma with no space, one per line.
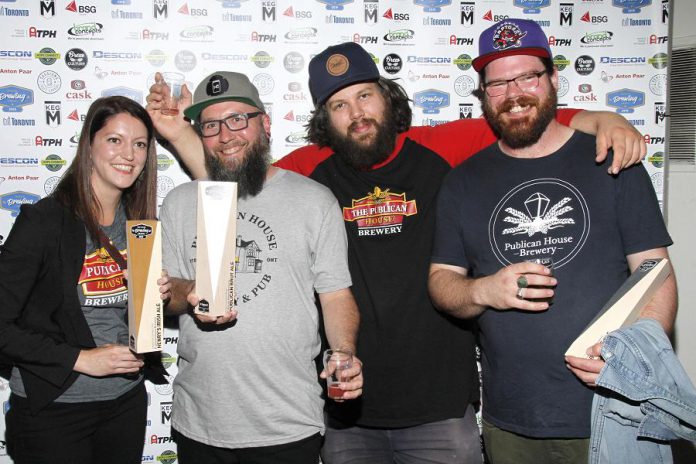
(495,210)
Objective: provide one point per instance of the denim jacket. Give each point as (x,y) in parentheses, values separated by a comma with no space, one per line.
(644,398)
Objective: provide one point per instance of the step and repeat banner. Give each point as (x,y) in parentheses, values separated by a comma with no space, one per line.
(57,56)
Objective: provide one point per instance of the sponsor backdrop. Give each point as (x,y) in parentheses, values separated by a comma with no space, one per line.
(57,56)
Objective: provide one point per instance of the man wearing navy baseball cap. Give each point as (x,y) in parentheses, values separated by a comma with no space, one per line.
(532,239)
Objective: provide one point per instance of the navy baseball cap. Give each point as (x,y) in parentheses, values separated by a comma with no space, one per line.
(511,37)
(337,67)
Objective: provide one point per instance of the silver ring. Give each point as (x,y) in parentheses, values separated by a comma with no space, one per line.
(520,293)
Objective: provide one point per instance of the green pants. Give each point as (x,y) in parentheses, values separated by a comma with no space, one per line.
(509,448)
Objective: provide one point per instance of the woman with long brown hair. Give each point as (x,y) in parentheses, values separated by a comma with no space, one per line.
(77,389)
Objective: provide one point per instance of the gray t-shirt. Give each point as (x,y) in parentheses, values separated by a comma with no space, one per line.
(255,383)
(104,299)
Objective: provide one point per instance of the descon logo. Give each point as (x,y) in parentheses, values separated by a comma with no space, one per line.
(431,100)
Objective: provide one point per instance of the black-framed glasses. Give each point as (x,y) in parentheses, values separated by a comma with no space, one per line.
(525,82)
(234,122)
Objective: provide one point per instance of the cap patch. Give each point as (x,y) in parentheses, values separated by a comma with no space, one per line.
(337,64)
(216,85)
(508,35)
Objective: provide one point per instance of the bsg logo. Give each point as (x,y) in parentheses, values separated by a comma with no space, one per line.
(81,9)
(594,19)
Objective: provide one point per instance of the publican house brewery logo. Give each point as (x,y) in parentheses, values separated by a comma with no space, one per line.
(381,212)
(541,216)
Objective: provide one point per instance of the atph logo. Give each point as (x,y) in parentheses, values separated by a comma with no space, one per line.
(566,14)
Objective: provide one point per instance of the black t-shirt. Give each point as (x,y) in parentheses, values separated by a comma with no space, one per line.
(419,366)
(495,210)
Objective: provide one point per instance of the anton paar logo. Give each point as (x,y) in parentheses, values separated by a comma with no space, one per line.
(541,216)
(380,212)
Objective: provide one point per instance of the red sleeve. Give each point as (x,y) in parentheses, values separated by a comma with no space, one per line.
(457,140)
(304,160)
(565,115)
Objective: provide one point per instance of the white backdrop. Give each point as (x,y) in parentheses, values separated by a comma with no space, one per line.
(58,56)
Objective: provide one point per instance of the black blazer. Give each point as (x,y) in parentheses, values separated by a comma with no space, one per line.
(42,328)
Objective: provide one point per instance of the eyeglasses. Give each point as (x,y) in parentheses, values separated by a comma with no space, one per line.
(234,122)
(525,82)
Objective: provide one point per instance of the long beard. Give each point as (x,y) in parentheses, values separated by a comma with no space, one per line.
(362,156)
(249,174)
(521,133)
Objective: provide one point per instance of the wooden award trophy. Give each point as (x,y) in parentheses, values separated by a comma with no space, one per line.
(215,247)
(624,307)
(145,311)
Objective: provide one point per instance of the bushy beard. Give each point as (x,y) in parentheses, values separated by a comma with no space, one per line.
(524,132)
(249,174)
(362,156)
